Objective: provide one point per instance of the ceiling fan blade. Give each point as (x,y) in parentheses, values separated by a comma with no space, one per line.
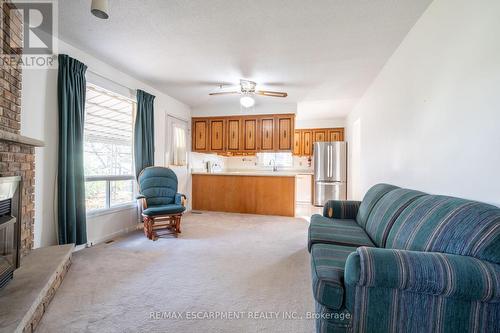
(271,93)
(224,93)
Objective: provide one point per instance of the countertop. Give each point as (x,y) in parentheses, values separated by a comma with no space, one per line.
(263,173)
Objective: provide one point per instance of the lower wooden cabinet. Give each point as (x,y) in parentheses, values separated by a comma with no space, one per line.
(304,139)
(268,195)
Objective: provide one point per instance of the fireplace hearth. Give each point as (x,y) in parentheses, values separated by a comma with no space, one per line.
(10,231)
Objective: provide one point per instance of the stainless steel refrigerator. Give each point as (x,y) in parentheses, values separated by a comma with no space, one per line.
(330,172)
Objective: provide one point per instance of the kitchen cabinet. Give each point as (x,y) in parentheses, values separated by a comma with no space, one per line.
(234,140)
(216,134)
(266,134)
(303,189)
(200,135)
(243,134)
(250,134)
(307,137)
(267,195)
(336,134)
(285,130)
(297,142)
(319,135)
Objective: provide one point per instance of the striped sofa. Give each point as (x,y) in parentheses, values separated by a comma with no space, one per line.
(405,261)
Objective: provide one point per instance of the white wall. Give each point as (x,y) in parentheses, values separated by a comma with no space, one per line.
(40,120)
(431,119)
(319,123)
(233,108)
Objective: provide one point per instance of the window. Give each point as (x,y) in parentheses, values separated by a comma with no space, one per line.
(108,152)
(281,159)
(179,142)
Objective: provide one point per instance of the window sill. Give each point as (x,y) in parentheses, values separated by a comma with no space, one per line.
(112,210)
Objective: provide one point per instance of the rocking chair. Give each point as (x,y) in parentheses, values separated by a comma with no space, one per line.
(162,206)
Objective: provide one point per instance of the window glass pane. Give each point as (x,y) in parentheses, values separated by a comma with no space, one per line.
(95,195)
(281,159)
(122,192)
(108,133)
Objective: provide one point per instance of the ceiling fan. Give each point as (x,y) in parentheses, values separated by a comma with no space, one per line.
(247,91)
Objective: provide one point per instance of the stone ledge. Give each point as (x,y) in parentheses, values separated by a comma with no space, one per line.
(17,138)
(24,300)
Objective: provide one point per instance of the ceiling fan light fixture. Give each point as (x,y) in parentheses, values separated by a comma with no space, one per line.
(247,101)
(100,9)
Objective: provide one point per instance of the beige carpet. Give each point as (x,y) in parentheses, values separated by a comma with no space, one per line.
(254,270)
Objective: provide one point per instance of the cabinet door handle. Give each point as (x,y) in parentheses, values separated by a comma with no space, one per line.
(285,134)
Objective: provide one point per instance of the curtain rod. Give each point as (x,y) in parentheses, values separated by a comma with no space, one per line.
(106,78)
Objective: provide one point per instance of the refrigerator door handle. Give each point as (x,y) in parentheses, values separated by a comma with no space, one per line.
(328,159)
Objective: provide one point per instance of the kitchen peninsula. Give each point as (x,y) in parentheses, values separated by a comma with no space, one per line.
(252,192)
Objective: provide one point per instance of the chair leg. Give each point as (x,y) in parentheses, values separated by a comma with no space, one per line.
(148,227)
(178,224)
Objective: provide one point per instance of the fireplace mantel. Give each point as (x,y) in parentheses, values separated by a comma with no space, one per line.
(21,139)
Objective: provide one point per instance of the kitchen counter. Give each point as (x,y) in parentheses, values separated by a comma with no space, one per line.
(267,193)
(263,173)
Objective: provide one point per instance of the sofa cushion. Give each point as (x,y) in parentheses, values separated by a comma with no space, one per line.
(336,231)
(163,210)
(386,211)
(450,225)
(327,269)
(370,199)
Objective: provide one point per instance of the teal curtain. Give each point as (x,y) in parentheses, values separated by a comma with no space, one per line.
(144,135)
(71,87)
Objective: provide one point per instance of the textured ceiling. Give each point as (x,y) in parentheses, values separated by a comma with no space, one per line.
(317,50)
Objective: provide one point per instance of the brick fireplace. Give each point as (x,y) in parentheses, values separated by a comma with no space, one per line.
(17,153)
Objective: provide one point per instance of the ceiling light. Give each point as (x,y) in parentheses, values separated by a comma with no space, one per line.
(100,9)
(247,101)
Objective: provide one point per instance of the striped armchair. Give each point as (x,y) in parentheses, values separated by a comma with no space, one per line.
(409,262)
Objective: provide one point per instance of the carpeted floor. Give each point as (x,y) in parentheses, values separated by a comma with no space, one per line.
(254,270)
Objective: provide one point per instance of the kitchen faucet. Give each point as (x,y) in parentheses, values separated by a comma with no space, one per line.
(275,168)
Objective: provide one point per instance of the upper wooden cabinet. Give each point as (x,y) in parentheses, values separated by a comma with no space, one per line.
(234,130)
(217,134)
(296,142)
(336,134)
(285,130)
(266,133)
(305,139)
(307,142)
(200,135)
(319,135)
(243,135)
(249,134)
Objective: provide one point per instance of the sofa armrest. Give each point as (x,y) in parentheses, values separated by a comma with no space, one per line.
(180,199)
(429,273)
(341,209)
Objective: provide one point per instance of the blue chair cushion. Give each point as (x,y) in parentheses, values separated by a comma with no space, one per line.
(347,232)
(158,185)
(164,210)
(327,269)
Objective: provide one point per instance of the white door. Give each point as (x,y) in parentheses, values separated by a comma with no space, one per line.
(177,152)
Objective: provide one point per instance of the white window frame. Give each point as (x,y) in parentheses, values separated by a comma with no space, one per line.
(108,209)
